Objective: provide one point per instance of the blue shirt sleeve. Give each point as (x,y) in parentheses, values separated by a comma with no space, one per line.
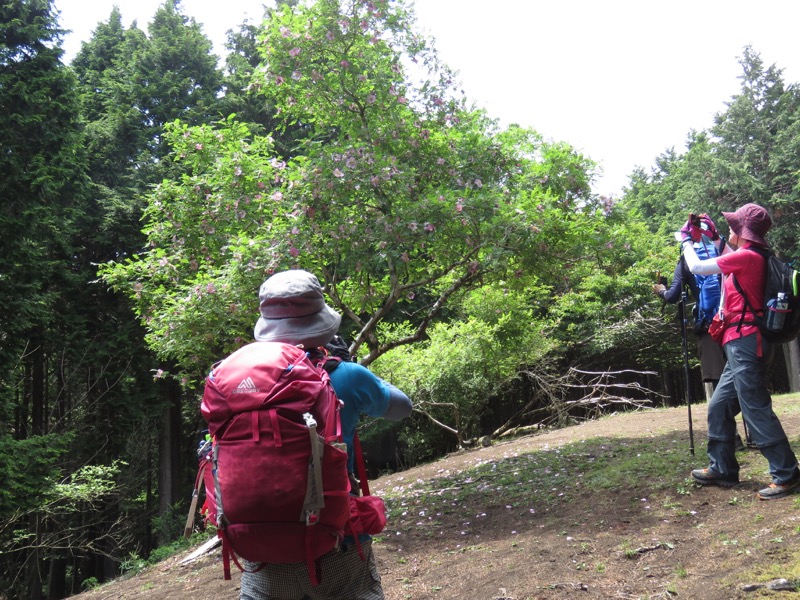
(361,392)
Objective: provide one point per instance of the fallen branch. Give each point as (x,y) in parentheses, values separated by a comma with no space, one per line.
(204,549)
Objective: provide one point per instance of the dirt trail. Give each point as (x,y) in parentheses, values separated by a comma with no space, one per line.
(609,544)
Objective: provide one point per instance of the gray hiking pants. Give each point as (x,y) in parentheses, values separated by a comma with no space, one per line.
(344,575)
(742,384)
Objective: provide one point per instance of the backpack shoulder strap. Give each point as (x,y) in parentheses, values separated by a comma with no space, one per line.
(330,363)
(765,253)
(361,467)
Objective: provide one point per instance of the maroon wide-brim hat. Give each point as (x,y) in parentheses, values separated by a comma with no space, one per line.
(750,222)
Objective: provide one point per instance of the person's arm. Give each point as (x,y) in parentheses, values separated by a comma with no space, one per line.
(693,262)
(673,293)
(399,404)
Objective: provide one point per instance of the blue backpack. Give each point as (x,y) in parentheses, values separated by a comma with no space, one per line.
(708,289)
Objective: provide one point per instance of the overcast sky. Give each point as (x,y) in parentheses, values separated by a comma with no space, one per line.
(620,80)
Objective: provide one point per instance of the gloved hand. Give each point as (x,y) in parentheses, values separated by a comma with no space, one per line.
(708,228)
(689,232)
(659,289)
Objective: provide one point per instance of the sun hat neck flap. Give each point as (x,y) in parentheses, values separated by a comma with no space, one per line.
(750,222)
(293,311)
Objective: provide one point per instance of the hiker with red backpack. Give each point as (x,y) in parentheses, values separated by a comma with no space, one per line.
(293,312)
(743,379)
(705,290)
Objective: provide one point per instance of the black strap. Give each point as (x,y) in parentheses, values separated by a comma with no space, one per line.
(330,364)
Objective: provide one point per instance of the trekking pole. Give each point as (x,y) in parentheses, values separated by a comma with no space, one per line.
(689,392)
(747,439)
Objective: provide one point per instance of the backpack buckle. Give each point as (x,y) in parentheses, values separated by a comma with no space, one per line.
(312,517)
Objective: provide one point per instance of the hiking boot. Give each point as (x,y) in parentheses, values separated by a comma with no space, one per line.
(740,444)
(777,490)
(708,477)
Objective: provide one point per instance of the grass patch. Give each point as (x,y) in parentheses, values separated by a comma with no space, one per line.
(543,478)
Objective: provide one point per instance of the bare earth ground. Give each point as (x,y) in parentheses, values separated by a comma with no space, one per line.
(684,542)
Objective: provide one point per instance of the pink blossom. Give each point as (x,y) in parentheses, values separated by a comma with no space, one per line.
(329,36)
(412,226)
(211,288)
(430,227)
(350,163)
(163,262)
(279,80)
(478,183)
(344,64)
(277,196)
(294,51)
(237,171)
(297,75)
(338,173)
(404,257)
(198,146)
(459,205)
(261,185)
(440,161)
(285,31)
(371,98)
(295,230)
(294,251)
(375,180)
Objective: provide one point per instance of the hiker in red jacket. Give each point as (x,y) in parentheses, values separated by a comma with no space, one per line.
(743,377)
(294,311)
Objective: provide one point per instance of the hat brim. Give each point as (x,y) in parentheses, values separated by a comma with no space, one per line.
(311,331)
(742,230)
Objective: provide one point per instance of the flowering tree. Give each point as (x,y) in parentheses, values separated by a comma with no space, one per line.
(400,198)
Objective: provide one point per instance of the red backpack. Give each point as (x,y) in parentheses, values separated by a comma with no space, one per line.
(277,488)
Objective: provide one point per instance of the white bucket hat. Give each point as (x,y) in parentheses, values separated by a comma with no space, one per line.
(293,311)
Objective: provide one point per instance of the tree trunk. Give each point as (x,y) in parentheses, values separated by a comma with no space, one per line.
(169,454)
(34,565)
(57,580)
(791,354)
(37,387)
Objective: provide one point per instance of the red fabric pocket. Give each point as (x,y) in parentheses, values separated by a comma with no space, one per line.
(367,515)
(717,329)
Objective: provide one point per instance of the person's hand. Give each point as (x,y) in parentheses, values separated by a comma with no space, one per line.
(689,233)
(708,228)
(659,289)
